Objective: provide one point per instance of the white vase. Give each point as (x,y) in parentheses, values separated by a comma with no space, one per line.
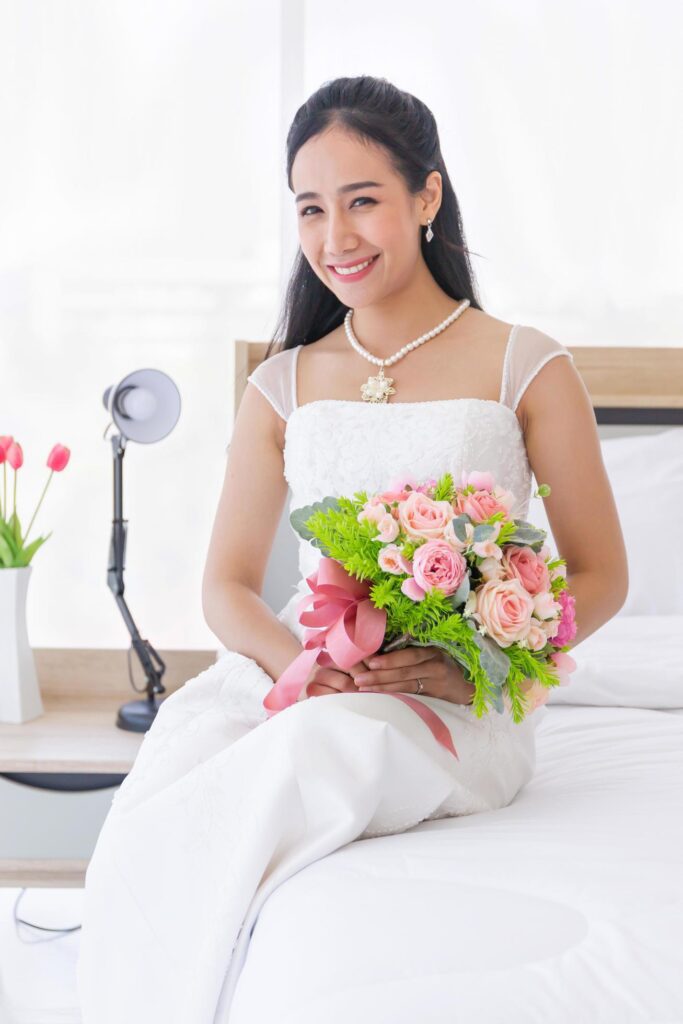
(20,698)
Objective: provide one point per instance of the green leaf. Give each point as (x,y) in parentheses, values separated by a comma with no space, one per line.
(299,516)
(461,594)
(527,534)
(27,553)
(459,524)
(6,556)
(7,535)
(483,531)
(15,527)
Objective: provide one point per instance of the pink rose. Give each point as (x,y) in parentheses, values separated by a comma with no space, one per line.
(373,509)
(479,506)
(412,589)
(524,564)
(421,516)
(504,609)
(436,566)
(391,559)
(400,489)
(567,628)
(478,480)
(564,664)
(388,528)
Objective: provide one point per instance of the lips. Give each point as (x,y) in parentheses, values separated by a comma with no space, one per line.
(352,263)
(352,278)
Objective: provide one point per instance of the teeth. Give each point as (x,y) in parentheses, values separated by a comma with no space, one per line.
(356,269)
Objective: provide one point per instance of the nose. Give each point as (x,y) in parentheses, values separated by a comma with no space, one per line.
(339,239)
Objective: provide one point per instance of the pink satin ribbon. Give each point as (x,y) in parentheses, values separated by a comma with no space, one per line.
(346,627)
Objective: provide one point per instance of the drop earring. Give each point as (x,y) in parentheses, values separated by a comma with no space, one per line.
(430,234)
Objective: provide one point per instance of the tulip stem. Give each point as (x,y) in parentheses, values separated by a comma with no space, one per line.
(37,507)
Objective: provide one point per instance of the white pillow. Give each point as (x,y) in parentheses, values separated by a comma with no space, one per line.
(632,661)
(646,475)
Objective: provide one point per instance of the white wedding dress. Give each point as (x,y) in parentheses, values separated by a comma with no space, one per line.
(224,804)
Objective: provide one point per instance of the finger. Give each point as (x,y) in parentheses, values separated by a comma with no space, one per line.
(399,659)
(400,674)
(409,686)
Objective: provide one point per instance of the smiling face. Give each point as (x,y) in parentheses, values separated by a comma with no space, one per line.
(378,219)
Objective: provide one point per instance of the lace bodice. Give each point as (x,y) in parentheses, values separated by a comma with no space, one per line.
(338,446)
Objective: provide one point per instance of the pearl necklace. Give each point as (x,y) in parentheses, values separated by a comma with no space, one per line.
(378,389)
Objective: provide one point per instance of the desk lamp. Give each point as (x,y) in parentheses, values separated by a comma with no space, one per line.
(144,406)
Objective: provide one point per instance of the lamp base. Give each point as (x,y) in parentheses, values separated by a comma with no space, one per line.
(137,715)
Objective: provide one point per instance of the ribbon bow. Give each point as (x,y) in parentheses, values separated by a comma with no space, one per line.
(344,627)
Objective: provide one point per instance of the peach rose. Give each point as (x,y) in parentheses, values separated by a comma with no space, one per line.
(536,638)
(391,559)
(535,694)
(524,564)
(546,607)
(491,569)
(436,566)
(551,628)
(504,609)
(422,516)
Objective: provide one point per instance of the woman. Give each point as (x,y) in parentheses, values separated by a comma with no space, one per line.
(223,803)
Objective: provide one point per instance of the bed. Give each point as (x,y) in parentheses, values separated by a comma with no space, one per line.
(565,906)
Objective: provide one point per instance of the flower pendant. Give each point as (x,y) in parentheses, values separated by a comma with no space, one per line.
(377,389)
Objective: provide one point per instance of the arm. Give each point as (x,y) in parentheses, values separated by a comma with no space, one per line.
(249,510)
(563,447)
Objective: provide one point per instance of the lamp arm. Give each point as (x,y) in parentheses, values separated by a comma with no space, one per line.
(117,562)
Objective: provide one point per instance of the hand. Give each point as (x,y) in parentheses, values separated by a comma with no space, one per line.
(327,680)
(398,672)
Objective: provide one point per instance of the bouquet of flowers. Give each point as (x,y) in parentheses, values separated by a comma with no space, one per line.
(436,564)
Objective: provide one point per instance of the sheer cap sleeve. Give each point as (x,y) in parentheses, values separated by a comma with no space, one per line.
(275,378)
(527,353)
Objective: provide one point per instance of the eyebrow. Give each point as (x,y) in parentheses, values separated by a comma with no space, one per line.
(341,190)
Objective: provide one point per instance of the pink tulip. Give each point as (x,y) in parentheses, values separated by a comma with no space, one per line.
(58,458)
(56,461)
(5,442)
(15,455)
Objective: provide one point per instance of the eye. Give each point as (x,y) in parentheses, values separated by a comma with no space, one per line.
(364,199)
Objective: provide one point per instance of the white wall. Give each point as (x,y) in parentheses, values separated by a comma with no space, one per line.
(140,185)
(560,127)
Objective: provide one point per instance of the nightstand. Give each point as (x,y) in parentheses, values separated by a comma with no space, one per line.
(76,745)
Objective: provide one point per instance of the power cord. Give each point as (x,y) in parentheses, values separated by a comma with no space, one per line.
(39,927)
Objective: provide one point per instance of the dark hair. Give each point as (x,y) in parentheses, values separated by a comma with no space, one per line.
(373,109)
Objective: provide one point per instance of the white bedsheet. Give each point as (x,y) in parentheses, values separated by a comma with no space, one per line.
(566,906)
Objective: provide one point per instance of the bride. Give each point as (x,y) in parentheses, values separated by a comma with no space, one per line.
(224,803)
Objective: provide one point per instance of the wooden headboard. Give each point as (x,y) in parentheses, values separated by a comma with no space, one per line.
(626,385)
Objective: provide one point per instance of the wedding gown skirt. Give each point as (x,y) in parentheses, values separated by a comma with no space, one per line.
(223,804)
